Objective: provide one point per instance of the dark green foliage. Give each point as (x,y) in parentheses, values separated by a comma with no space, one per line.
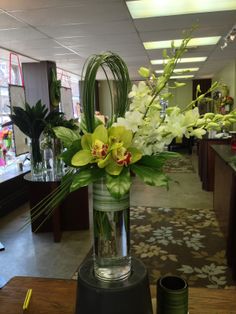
(56,118)
(31,120)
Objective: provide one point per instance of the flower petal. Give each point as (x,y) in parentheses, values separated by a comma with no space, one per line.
(135,154)
(104,162)
(113,169)
(122,134)
(86,141)
(101,134)
(82,158)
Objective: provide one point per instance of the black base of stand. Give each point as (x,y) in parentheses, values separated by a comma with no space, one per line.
(130,296)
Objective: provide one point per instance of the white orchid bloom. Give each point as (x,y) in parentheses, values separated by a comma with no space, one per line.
(198,133)
(132,120)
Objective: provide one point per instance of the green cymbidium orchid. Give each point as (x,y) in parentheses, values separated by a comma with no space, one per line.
(122,152)
(94,147)
(108,148)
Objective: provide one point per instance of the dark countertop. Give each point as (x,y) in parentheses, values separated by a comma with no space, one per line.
(226,154)
(10,174)
(216,139)
(47,176)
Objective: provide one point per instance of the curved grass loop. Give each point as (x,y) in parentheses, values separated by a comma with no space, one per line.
(120,75)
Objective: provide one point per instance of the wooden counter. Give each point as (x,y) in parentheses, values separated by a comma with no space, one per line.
(224,199)
(13,189)
(72,214)
(58,296)
(206,161)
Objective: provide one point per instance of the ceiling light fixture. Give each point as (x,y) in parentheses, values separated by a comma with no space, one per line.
(153,8)
(180,70)
(181,76)
(201,41)
(229,37)
(183,60)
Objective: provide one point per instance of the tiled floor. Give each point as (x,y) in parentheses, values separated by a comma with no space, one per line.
(37,255)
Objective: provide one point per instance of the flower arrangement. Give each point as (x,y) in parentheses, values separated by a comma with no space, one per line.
(6,137)
(132,141)
(3,152)
(135,136)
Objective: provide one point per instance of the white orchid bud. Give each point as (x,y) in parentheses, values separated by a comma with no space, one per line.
(144,72)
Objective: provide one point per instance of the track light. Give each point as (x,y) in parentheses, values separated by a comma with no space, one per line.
(232,37)
(229,37)
(224,45)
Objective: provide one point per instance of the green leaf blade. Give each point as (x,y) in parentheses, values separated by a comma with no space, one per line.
(67,136)
(150,176)
(119,185)
(85,177)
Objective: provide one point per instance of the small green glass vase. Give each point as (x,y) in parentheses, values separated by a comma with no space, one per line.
(172,295)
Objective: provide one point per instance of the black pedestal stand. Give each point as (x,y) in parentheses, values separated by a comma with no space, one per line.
(130,296)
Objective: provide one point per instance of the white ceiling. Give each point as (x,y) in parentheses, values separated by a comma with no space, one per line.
(68,31)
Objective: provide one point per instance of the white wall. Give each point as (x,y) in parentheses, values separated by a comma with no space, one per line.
(182,96)
(228,76)
(104,98)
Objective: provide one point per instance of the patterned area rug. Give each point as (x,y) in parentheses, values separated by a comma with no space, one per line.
(180,164)
(180,241)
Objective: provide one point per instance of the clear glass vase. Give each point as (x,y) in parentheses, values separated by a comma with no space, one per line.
(58,163)
(111,225)
(36,159)
(52,150)
(47,146)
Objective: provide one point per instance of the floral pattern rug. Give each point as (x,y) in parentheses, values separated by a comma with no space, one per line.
(180,164)
(180,241)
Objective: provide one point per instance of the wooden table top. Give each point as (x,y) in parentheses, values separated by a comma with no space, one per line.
(57,296)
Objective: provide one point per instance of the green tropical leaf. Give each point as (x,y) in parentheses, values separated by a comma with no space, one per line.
(67,136)
(85,177)
(56,118)
(157,161)
(150,175)
(152,161)
(119,185)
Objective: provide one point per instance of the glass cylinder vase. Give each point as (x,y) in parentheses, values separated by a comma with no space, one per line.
(58,163)
(111,225)
(36,159)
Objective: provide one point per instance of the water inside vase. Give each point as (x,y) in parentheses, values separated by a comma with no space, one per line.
(112,245)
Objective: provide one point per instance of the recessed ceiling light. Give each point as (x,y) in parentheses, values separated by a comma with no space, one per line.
(183,60)
(180,70)
(64,54)
(201,41)
(181,76)
(151,8)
